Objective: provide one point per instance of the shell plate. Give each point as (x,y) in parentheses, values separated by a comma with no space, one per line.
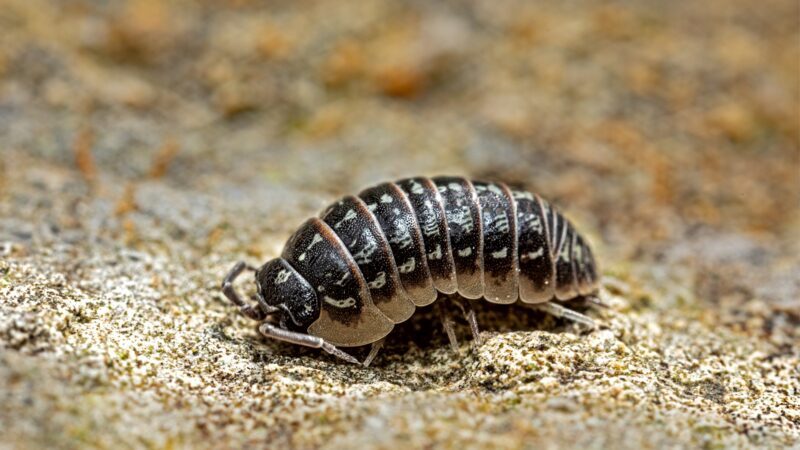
(359,230)
(398,221)
(498,212)
(427,204)
(536,268)
(465,228)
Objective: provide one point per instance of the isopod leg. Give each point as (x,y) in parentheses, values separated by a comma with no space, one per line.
(306,340)
(447,323)
(253,312)
(373,352)
(594,300)
(559,311)
(469,314)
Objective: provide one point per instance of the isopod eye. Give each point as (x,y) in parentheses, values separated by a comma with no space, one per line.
(280,286)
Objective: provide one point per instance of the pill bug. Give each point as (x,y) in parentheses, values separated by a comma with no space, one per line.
(347,277)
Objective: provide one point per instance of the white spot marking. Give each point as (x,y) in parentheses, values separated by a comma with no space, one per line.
(351,214)
(501,222)
(430,227)
(386,198)
(532,255)
(282,276)
(496,189)
(341,281)
(531,220)
(564,256)
(522,194)
(436,254)
(500,254)
(465,252)
(315,240)
(378,282)
(462,218)
(408,266)
(343,303)
(416,188)
(402,238)
(364,256)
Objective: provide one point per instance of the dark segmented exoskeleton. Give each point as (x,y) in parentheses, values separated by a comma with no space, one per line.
(346,278)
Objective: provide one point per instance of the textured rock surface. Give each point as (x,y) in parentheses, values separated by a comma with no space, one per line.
(145,146)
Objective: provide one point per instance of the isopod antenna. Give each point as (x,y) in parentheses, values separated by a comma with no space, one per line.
(248,310)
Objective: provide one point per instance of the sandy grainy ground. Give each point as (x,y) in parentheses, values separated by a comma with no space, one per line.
(147,145)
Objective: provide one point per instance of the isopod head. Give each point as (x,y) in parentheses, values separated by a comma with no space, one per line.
(281,289)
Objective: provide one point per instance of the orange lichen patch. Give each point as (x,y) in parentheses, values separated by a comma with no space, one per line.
(402,79)
(214,236)
(141,30)
(614,22)
(642,78)
(127,202)
(273,42)
(130,235)
(82,150)
(157,282)
(621,135)
(345,63)
(255,250)
(738,49)
(510,114)
(164,157)
(326,121)
(733,120)
(399,61)
(679,92)
(232,99)
(663,180)
(218,72)
(527,27)
(640,154)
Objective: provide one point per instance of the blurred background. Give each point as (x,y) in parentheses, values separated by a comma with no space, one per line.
(642,117)
(196,133)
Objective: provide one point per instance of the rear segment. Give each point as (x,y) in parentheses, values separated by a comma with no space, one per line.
(585,266)
(555,261)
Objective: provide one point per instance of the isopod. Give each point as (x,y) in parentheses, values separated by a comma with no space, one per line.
(347,277)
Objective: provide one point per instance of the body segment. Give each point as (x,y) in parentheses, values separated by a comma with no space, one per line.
(464,226)
(396,217)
